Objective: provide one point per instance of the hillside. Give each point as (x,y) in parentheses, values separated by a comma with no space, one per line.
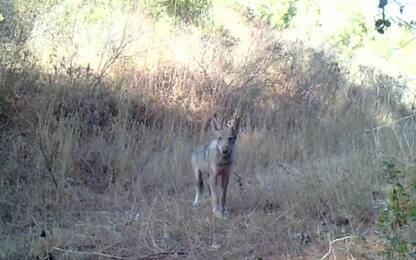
(101,105)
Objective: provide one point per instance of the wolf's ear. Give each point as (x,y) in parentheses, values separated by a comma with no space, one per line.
(236,126)
(215,126)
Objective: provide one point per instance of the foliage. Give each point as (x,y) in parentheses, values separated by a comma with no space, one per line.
(17,20)
(278,14)
(352,36)
(401,213)
(188,11)
(382,23)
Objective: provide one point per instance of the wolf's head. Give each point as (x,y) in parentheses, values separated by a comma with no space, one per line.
(225,136)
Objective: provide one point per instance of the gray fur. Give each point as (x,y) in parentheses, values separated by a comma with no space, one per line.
(215,159)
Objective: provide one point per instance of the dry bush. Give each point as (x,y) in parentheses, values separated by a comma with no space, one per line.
(94,166)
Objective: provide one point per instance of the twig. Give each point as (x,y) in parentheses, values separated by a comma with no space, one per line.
(239,180)
(163,255)
(332,242)
(89,253)
(116,53)
(254,248)
(392,122)
(405,44)
(289,169)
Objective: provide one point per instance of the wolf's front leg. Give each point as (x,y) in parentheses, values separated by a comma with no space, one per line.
(224,184)
(213,183)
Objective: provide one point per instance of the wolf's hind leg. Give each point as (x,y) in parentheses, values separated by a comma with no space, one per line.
(199,186)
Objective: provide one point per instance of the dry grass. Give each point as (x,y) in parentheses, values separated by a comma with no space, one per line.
(95,167)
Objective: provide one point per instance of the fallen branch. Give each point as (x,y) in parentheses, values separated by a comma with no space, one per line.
(334,241)
(391,123)
(148,257)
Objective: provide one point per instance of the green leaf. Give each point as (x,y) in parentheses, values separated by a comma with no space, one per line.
(383,220)
(379,23)
(401,192)
(413,212)
(403,248)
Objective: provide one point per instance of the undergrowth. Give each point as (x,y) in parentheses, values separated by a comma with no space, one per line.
(398,220)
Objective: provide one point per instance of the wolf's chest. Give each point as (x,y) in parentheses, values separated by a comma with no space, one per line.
(224,159)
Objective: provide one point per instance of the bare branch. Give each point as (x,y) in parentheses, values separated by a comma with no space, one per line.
(392,122)
(334,241)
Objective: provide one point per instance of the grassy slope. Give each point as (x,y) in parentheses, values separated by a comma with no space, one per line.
(99,163)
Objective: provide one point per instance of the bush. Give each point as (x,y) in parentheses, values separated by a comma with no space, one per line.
(398,222)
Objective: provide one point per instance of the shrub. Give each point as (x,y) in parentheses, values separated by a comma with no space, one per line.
(398,222)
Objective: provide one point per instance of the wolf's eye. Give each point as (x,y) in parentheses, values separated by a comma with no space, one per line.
(231,139)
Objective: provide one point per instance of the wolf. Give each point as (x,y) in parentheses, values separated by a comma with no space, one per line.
(215,159)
